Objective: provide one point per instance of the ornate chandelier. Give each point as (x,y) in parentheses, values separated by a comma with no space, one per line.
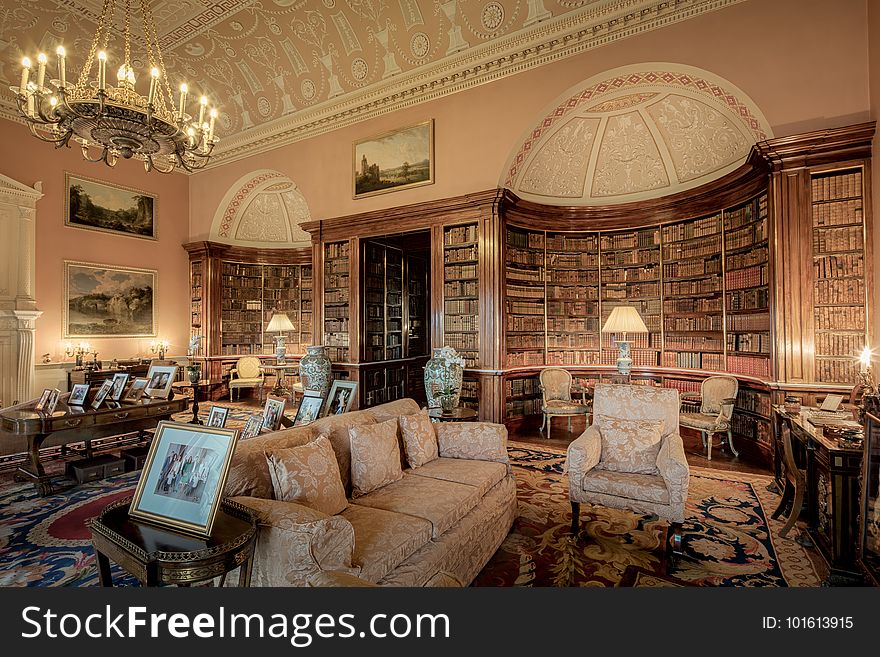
(112,122)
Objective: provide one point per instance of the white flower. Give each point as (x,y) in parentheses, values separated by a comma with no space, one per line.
(450,355)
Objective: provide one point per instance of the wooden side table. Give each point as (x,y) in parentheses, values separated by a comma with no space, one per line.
(157,556)
(458,414)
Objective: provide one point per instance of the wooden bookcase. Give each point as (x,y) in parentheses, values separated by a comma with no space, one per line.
(337,294)
(839,272)
(461,291)
(572,293)
(524,296)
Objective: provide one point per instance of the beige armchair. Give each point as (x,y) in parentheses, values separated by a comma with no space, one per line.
(245,374)
(557,402)
(710,411)
(659,488)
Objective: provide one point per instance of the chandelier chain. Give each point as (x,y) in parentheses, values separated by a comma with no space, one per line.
(152,35)
(83,80)
(127,59)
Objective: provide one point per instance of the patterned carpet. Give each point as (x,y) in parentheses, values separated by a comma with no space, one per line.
(729,538)
(45,541)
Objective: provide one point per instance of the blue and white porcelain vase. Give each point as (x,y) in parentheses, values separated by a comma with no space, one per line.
(314,370)
(444,371)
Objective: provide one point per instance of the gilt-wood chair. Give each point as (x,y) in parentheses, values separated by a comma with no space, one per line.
(245,374)
(557,402)
(711,411)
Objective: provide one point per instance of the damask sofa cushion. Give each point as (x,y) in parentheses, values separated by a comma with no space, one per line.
(629,445)
(480,474)
(419,439)
(308,474)
(336,427)
(249,470)
(384,539)
(375,456)
(442,503)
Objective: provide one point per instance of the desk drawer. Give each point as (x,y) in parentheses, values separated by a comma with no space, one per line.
(68,422)
(164,409)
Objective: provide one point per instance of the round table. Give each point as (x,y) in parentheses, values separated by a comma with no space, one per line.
(202,383)
(155,555)
(280,371)
(457,414)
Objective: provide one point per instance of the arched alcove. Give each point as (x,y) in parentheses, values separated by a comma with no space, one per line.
(633,133)
(263,208)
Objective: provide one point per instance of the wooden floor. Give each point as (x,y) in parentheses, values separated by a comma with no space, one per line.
(722,458)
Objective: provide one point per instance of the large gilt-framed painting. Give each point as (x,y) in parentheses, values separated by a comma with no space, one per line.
(108,301)
(394,160)
(96,205)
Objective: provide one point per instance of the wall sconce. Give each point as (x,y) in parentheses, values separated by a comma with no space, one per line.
(866,376)
(160,347)
(78,351)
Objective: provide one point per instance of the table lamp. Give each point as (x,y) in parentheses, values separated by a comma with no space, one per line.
(624,319)
(280,323)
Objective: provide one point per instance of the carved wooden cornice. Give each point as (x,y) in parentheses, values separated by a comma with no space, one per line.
(819,147)
(260,256)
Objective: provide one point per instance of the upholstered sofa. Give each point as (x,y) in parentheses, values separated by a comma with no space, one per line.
(438,525)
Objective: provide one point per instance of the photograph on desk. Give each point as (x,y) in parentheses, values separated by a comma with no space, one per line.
(102,393)
(252,427)
(309,408)
(160,379)
(119,381)
(136,389)
(273,412)
(340,398)
(78,394)
(217,416)
(182,481)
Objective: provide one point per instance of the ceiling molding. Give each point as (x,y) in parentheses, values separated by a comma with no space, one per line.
(550,41)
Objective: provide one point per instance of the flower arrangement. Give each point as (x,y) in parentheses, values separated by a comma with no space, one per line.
(450,355)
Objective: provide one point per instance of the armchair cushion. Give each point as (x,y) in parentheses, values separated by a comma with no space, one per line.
(629,445)
(480,441)
(702,422)
(419,439)
(308,474)
(642,487)
(563,407)
(375,456)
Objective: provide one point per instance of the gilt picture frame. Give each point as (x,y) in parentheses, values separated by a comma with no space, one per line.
(108,301)
(183,478)
(398,159)
(109,208)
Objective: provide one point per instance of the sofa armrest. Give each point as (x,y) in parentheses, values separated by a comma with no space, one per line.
(480,441)
(673,467)
(294,542)
(584,453)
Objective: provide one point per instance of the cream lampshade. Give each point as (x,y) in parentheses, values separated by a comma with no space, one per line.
(279,323)
(624,319)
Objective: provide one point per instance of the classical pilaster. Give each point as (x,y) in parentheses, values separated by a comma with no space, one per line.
(26,357)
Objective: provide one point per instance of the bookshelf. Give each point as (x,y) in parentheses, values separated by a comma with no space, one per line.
(416,322)
(306,309)
(281,293)
(383,303)
(630,274)
(524,298)
(241,309)
(197,295)
(572,293)
(336,300)
(461,313)
(839,273)
(693,291)
(747,291)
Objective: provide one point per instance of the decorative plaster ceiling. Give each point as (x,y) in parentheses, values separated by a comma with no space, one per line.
(284,70)
(635,132)
(262,209)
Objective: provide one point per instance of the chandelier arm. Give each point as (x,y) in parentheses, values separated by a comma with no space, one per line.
(58,141)
(100,158)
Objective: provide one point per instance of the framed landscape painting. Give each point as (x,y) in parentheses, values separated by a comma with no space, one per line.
(399,159)
(107,301)
(110,208)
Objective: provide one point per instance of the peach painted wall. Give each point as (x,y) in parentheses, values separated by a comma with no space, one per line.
(28,160)
(804,62)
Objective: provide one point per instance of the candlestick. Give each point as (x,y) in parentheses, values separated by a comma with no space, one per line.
(25,74)
(102,69)
(183,91)
(62,69)
(203,104)
(41,70)
(154,81)
(211,126)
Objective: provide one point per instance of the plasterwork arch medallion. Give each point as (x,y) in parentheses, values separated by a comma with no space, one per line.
(633,133)
(262,209)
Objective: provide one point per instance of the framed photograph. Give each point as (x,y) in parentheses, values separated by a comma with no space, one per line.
(272,412)
(108,301)
(309,408)
(136,389)
(217,417)
(183,477)
(43,401)
(96,205)
(102,393)
(340,398)
(119,381)
(78,394)
(252,427)
(159,380)
(51,401)
(394,160)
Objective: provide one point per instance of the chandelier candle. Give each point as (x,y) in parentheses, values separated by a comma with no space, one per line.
(183,91)
(41,70)
(102,70)
(62,72)
(25,74)
(154,82)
